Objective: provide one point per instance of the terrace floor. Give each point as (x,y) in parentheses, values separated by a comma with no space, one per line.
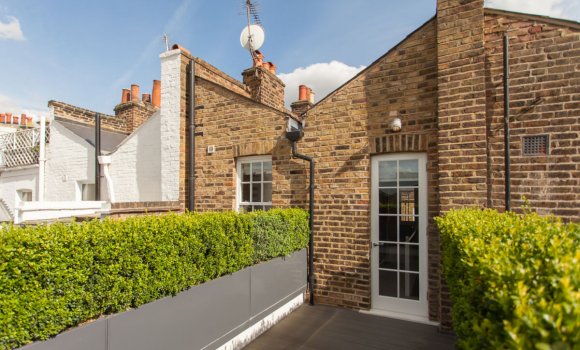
(323,327)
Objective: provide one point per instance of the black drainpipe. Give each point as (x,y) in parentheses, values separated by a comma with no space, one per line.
(506,121)
(191,204)
(97,154)
(294,136)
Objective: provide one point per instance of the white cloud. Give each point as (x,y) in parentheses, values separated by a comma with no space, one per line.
(552,8)
(322,78)
(11,30)
(11,105)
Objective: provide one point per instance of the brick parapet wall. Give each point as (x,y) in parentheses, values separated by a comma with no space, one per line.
(544,100)
(120,210)
(87,117)
(135,113)
(461,104)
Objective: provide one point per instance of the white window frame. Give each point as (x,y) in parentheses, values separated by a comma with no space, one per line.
(79,190)
(246,160)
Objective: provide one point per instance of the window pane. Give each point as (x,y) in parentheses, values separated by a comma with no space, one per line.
(388,283)
(267,207)
(388,173)
(388,201)
(409,202)
(246,172)
(245,192)
(409,287)
(409,257)
(256,172)
(409,173)
(388,256)
(267,171)
(88,192)
(388,228)
(256,192)
(245,208)
(409,229)
(267,192)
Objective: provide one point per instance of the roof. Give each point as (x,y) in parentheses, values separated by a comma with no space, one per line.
(109,140)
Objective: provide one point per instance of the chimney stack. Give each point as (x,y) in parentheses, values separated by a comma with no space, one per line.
(134,92)
(264,85)
(156,97)
(305,100)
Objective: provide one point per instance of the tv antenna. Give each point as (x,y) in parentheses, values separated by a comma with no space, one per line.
(166,41)
(252,36)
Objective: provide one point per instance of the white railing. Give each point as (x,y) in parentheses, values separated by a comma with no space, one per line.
(19,148)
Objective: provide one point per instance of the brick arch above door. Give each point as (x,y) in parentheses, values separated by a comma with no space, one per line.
(393,143)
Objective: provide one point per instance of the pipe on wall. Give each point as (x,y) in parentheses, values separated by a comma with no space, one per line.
(310,221)
(506,121)
(97,154)
(41,158)
(191,202)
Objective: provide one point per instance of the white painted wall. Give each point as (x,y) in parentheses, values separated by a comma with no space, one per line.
(69,159)
(13,180)
(136,165)
(169,123)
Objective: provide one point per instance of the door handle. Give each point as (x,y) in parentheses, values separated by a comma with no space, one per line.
(379,244)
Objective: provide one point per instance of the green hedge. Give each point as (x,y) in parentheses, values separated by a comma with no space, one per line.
(514,279)
(54,277)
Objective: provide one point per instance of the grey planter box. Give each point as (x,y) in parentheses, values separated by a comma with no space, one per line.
(207,316)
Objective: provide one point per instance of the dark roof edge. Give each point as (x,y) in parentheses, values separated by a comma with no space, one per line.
(552,20)
(372,64)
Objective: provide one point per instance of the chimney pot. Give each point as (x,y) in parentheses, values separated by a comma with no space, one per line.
(303,93)
(126,96)
(156,97)
(146,98)
(272,67)
(258,59)
(135,93)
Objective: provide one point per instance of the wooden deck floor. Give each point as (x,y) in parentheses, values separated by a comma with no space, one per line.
(323,327)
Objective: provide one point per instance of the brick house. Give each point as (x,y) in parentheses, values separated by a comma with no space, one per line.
(418,132)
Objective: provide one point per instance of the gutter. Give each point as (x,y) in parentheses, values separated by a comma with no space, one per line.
(192,125)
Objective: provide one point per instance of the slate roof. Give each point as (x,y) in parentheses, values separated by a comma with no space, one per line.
(109,140)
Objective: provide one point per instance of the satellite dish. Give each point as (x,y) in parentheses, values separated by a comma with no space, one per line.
(252,37)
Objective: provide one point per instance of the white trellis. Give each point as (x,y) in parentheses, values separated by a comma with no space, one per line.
(19,148)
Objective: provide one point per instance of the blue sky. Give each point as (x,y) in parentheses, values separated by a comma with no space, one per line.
(85,52)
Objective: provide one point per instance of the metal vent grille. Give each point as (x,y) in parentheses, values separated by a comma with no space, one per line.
(535,145)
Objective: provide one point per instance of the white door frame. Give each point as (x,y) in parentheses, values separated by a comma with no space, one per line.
(391,306)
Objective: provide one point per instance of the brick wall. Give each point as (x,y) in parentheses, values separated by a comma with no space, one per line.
(342,132)
(265,87)
(85,116)
(461,111)
(544,100)
(237,126)
(135,113)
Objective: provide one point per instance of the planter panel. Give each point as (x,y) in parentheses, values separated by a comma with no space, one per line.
(92,336)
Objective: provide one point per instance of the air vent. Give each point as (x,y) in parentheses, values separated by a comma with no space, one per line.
(535,145)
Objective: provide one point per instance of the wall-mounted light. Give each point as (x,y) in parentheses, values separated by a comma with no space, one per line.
(395,125)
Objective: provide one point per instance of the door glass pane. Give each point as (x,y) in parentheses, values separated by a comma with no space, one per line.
(409,229)
(267,171)
(387,283)
(245,192)
(246,172)
(267,192)
(256,192)
(388,228)
(409,257)
(409,202)
(388,173)
(388,201)
(409,173)
(388,256)
(256,172)
(409,285)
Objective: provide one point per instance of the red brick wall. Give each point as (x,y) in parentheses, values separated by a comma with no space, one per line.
(544,100)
